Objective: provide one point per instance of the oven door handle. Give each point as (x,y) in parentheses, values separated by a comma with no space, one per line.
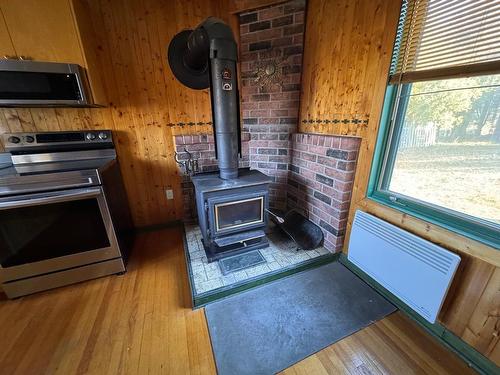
(57,198)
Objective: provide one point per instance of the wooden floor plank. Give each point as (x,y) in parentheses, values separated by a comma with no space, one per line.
(142,323)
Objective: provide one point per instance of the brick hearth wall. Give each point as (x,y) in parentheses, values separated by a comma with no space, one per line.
(270,114)
(321,174)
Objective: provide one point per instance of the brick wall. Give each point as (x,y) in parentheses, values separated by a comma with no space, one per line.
(202,147)
(270,114)
(321,174)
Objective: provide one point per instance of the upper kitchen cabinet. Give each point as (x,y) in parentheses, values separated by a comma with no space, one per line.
(52,31)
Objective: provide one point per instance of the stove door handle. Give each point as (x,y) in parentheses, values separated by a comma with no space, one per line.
(52,198)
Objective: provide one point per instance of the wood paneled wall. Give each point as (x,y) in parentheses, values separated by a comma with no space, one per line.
(348,46)
(144,98)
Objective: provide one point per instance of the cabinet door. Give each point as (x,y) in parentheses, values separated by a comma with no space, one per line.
(6,47)
(43,30)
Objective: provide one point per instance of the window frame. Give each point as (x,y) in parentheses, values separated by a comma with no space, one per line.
(466,225)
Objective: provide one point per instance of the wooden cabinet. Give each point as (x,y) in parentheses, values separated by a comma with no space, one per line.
(55,31)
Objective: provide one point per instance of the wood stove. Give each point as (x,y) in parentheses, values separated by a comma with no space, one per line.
(232,213)
(232,203)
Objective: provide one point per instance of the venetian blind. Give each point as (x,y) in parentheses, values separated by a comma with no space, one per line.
(446,38)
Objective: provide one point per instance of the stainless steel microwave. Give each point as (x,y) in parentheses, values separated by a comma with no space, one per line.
(26,83)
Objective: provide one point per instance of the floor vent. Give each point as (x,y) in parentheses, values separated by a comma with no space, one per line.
(415,270)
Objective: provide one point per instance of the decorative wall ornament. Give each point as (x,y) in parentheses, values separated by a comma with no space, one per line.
(270,72)
(182,124)
(334,121)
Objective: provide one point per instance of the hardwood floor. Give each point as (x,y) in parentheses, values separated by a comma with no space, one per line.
(142,323)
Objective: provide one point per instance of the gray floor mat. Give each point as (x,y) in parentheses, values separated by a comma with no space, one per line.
(267,329)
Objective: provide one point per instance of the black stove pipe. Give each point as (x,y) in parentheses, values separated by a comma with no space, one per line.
(206,57)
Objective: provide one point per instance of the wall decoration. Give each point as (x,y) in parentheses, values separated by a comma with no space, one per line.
(183,124)
(269,73)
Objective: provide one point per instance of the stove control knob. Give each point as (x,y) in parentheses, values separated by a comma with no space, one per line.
(103,136)
(91,136)
(14,139)
(29,139)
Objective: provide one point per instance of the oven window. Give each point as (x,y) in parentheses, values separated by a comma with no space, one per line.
(31,234)
(238,213)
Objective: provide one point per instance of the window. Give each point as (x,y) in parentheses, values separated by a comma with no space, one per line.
(438,152)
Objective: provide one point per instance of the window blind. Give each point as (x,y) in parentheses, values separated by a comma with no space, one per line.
(439,39)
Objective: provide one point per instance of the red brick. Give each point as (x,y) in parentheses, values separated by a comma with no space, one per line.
(272,12)
(298,39)
(295,78)
(279,112)
(290,104)
(332,193)
(349,143)
(316,167)
(256,157)
(299,17)
(296,60)
(249,106)
(248,38)
(335,142)
(343,186)
(318,150)
(278,144)
(243,29)
(269,105)
(259,113)
(339,174)
(253,143)
(269,120)
(293,112)
(249,91)
(280,42)
(269,34)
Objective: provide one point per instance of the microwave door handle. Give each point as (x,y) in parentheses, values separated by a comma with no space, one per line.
(62,197)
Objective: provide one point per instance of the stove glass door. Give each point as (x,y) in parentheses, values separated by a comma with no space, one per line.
(55,227)
(239,213)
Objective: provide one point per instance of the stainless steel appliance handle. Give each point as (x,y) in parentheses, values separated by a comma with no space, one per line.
(59,197)
(69,186)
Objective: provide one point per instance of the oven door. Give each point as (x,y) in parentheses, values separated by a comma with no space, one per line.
(237,213)
(43,233)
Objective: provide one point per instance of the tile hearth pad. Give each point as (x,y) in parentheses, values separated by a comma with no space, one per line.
(207,278)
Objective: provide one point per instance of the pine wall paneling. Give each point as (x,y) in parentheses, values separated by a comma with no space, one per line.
(347,52)
(145,100)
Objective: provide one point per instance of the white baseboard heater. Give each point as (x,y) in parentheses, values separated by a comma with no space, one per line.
(415,270)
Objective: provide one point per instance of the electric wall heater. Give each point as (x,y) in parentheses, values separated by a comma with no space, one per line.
(415,270)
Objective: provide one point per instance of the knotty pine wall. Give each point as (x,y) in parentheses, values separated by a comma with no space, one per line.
(347,51)
(143,95)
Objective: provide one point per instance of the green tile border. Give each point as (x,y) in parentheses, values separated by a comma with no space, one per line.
(471,356)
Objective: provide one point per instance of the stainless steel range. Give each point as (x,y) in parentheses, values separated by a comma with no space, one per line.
(64,215)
